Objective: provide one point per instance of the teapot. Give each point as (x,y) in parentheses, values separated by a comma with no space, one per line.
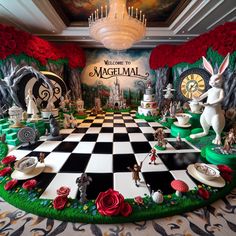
(157,196)
(195,106)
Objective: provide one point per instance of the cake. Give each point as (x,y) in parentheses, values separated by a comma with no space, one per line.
(148,105)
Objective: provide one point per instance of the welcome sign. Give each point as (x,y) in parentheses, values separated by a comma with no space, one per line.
(103,68)
(122,69)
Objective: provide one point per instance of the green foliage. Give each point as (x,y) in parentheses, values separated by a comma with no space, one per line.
(147,118)
(3,150)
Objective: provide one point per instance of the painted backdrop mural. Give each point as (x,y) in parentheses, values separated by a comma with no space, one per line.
(121,74)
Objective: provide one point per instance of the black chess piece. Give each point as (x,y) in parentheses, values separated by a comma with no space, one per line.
(54,126)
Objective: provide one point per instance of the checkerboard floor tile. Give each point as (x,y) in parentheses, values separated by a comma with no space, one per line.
(104,146)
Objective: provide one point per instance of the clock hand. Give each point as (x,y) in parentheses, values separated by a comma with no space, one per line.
(193,87)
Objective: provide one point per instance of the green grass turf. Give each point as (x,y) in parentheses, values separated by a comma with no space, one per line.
(76,212)
(147,118)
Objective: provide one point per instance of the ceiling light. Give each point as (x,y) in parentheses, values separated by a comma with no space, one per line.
(117,29)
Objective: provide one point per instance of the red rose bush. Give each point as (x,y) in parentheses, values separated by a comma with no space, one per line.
(111,203)
(29,184)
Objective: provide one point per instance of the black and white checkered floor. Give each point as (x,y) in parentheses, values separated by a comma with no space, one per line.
(104,146)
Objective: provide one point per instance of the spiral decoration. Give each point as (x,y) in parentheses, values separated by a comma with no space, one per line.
(26,135)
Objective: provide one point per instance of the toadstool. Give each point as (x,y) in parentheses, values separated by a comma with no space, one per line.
(180,187)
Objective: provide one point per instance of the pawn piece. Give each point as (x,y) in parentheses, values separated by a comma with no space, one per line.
(41,157)
(83,181)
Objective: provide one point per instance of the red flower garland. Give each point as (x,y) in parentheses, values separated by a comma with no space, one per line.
(14,42)
(222,39)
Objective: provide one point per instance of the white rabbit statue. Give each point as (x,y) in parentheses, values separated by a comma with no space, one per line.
(213,115)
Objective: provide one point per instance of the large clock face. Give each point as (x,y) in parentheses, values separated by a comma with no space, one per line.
(193,83)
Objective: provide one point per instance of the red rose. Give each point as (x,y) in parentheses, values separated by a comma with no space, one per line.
(126,209)
(203,193)
(63,191)
(139,200)
(225,168)
(59,202)
(9,159)
(29,184)
(10,184)
(109,203)
(5,171)
(226,176)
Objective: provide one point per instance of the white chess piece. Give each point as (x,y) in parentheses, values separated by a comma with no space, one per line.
(168,90)
(213,115)
(31,104)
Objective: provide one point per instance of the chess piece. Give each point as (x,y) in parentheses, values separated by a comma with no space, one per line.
(66,121)
(73,121)
(230,139)
(149,84)
(31,104)
(164,114)
(172,109)
(153,156)
(3,138)
(159,136)
(135,172)
(213,115)
(24,116)
(168,90)
(41,157)
(54,126)
(82,182)
(178,141)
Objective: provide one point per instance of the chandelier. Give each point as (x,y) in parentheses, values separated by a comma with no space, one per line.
(117,29)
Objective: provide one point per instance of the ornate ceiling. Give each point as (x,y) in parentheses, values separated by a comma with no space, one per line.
(169,21)
(160,13)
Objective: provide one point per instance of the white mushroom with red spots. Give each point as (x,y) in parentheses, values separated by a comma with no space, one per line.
(179,186)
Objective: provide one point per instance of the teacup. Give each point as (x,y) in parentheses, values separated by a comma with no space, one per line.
(183,118)
(195,106)
(206,171)
(26,164)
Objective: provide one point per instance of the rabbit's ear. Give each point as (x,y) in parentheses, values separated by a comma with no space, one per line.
(224,65)
(207,66)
